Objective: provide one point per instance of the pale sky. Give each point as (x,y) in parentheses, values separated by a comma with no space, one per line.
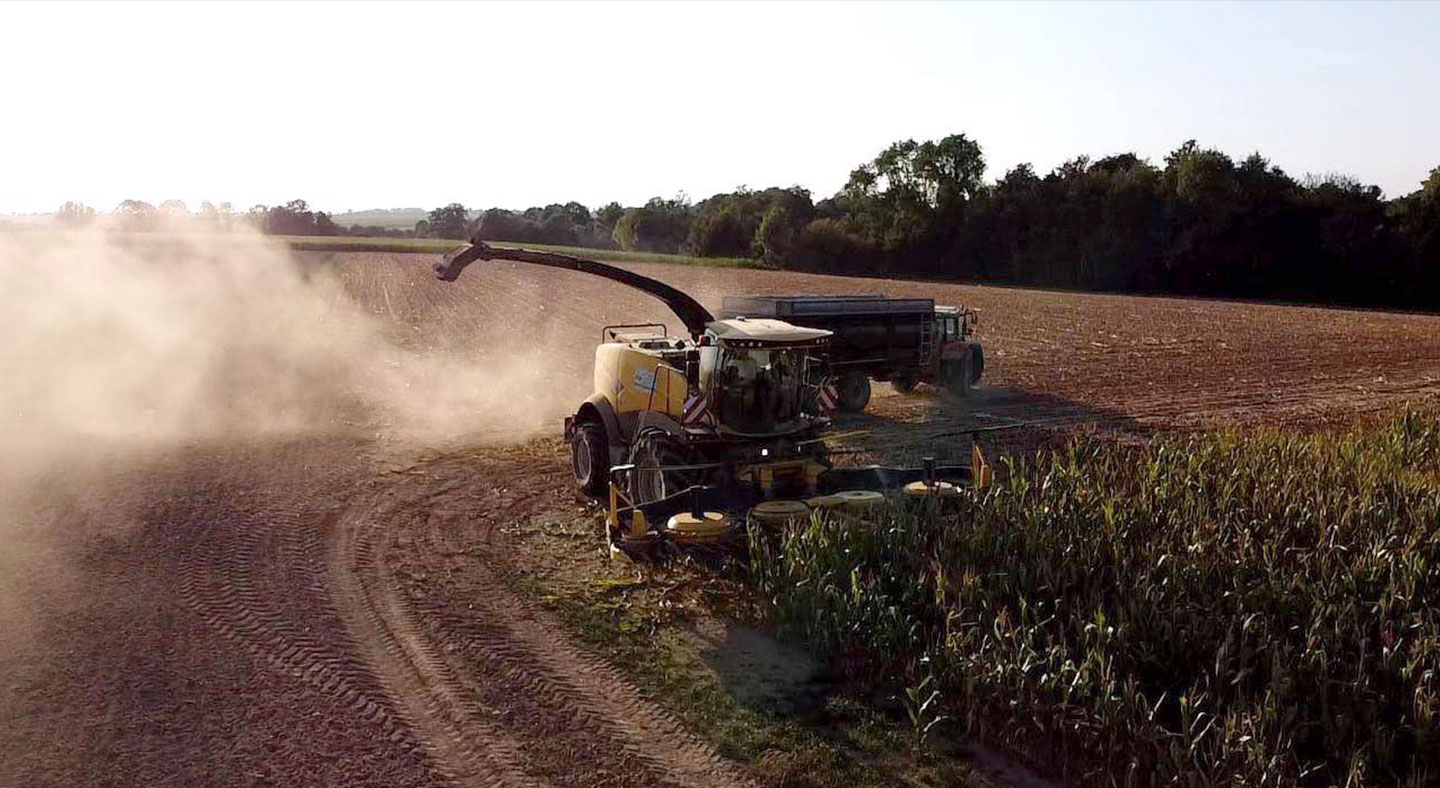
(365,105)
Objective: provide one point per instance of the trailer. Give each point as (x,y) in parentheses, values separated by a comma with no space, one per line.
(905,341)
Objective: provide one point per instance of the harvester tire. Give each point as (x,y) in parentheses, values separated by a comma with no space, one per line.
(659,449)
(854,392)
(977,363)
(590,459)
(904,385)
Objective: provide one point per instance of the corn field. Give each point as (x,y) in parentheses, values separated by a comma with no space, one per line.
(1220,609)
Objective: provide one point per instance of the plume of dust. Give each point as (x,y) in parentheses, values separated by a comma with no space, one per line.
(116,342)
(146,339)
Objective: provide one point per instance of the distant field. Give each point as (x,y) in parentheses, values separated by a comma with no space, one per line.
(307,243)
(1060,360)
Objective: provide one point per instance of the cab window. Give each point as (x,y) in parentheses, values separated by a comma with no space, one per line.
(950,329)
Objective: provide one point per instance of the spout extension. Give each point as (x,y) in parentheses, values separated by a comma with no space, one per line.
(448,270)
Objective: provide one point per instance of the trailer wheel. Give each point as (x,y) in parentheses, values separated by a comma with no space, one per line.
(854,391)
(904,385)
(590,459)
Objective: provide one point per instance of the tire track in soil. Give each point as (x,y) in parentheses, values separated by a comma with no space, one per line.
(418,676)
(226,575)
(201,627)
(501,657)
(223,579)
(229,574)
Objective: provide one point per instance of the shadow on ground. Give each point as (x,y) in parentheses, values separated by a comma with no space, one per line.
(904,429)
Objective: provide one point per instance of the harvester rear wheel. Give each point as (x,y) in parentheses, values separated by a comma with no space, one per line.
(590,459)
(656,450)
(854,392)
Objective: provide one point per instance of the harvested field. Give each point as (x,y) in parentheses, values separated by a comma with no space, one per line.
(1052,358)
(332,608)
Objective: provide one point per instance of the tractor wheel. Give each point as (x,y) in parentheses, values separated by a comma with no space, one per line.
(656,450)
(854,391)
(904,385)
(590,459)
(956,377)
(977,363)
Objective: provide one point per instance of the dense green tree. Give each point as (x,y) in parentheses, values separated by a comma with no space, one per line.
(497,224)
(606,218)
(450,221)
(775,238)
(728,224)
(913,195)
(719,234)
(1416,218)
(660,225)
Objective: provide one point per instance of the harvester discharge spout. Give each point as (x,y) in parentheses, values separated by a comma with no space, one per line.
(448,270)
(691,313)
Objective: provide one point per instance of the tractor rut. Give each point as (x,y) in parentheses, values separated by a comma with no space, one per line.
(314,613)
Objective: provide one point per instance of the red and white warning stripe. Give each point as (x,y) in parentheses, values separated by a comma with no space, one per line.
(697,409)
(827,398)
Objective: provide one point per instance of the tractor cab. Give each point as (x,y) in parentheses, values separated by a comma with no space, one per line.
(954,324)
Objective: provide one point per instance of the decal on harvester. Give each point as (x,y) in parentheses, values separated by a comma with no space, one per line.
(645,379)
(697,409)
(827,398)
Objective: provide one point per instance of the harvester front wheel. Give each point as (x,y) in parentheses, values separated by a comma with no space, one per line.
(590,459)
(655,451)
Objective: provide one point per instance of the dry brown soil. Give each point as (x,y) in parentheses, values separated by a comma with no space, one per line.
(330,609)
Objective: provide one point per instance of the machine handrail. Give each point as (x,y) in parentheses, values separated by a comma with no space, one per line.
(610,329)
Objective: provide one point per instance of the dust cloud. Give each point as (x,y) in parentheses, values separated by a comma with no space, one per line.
(153,339)
(122,346)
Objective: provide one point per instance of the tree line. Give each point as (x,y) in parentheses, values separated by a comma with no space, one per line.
(1200,223)
(293,218)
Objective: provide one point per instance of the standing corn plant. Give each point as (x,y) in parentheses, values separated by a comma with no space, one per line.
(1219,609)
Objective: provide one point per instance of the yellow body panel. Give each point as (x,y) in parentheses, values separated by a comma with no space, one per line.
(638,380)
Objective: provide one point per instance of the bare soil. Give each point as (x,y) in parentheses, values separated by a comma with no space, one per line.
(333,609)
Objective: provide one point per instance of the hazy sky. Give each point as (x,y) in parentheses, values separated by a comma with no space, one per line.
(360,105)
